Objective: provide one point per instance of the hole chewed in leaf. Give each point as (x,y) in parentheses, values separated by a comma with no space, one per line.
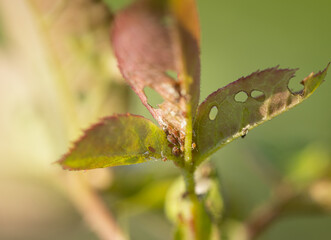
(258,95)
(150,38)
(172,74)
(269,96)
(295,86)
(154,99)
(241,97)
(213,113)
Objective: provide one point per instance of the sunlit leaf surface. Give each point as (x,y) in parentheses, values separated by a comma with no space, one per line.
(117,140)
(230,112)
(158,48)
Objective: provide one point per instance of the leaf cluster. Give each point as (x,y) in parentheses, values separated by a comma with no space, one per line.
(157,46)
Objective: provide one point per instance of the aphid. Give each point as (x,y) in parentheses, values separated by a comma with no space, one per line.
(172,140)
(182,148)
(244,132)
(175,151)
(172,131)
(164,159)
(151,149)
(194,145)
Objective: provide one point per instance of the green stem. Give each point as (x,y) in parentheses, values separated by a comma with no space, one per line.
(188,139)
(193,230)
(199,225)
(189,182)
(196,225)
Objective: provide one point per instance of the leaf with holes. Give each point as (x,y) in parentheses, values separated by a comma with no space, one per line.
(118,140)
(231,111)
(157,47)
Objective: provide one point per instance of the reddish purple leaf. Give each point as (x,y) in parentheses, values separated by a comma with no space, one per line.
(149,39)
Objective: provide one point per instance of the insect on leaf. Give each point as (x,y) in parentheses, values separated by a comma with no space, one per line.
(151,39)
(117,140)
(230,112)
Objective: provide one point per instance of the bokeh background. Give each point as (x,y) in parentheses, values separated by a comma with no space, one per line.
(58,75)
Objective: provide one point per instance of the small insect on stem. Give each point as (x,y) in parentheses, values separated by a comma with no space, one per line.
(172,140)
(175,151)
(244,132)
(151,149)
(182,148)
(193,145)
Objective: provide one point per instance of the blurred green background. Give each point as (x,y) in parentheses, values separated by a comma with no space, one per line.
(238,37)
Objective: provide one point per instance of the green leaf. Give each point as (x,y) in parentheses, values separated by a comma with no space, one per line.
(117,140)
(231,111)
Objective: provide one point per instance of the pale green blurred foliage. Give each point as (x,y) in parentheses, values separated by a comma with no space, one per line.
(37,120)
(43,75)
(309,165)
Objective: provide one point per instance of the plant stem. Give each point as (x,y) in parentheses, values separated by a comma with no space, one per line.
(199,225)
(189,182)
(189,169)
(190,195)
(188,140)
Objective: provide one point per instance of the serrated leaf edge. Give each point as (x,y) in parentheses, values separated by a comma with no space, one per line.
(84,135)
